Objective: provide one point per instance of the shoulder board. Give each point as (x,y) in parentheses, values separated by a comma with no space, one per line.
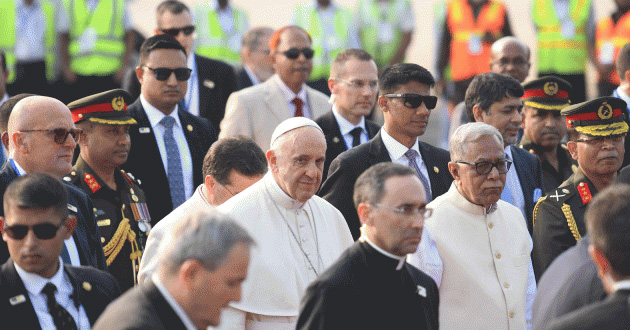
(560,195)
(132,180)
(91,182)
(72,177)
(585,192)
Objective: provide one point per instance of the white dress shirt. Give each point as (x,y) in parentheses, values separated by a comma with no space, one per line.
(514,185)
(397,151)
(173,303)
(288,96)
(192,93)
(252,76)
(155,116)
(34,284)
(346,126)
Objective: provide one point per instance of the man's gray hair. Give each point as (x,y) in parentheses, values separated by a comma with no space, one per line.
(207,237)
(468,133)
(253,38)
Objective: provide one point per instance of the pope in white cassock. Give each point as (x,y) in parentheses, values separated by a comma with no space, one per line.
(298,235)
(475,246)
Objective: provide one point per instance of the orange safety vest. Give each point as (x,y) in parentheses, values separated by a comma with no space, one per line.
(470,56)
(614,35)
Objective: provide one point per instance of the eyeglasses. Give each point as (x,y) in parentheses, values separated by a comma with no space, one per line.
(294,53)
(413,100)
(41,231)
(503,166)
(599,140)
(60,134)
(409,210)
(360,84)
(188,30)
(162,74)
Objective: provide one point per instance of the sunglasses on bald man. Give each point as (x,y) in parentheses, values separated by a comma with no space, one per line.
(59,134)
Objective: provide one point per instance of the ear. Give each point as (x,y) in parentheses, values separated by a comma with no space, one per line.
(4,237)
(572,146)
(603,267)
(18,140)
(626,75)
(139,74)
(157,31)
(271,160)
(71,224)
(209,182)
(382,103)
(454,169)
(364,211)
(331,84)
(5,140)
(189,271)
(478,113)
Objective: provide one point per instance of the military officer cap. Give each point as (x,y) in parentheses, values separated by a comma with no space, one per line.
(547,93)
(603,116)
(107,108)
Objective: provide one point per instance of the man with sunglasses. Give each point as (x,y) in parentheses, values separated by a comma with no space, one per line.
(475,246)
(168,144)
(596,131)
(42,138)
(37,289)
(256,111)
(495,99)
(211,81)
(406,103)
(354,85)
(370,286)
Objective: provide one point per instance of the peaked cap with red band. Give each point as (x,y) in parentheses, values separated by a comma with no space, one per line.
(602,116)
(547,93)
(107,108)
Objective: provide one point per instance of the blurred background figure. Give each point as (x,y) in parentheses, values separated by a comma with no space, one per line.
(256,62)
(221,27)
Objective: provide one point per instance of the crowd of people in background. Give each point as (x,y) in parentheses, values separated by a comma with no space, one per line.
(215,175)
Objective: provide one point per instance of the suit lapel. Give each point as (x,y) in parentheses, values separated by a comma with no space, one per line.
(274,101)
(205,80)
(316,107)
(372,129)
(170,319)
(378,150)
(147,139)
(18,305)
(521,166)
(337,142)
(432,168)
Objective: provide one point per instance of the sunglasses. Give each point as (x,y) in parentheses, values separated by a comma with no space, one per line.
(60,134)
(162,74)
(188,30)
(413,100)
(294,53)
(41,231)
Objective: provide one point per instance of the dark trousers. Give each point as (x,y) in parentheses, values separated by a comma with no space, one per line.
(30,77)
(578,85)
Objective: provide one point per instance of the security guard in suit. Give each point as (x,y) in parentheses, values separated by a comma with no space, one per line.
(544,128)
(596,132)
(119,202)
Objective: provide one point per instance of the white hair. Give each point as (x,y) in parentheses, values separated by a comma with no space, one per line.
(468,133)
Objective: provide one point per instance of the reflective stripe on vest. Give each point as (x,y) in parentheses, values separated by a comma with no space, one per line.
(7,37)
(469,55)
(555,52)
(308,18)
(213,42)
(609,33)
(370,13)
(105,57)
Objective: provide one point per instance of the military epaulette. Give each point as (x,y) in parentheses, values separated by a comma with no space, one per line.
(91,182)
(71,177)
(130,178)
(560,195)
(585,192)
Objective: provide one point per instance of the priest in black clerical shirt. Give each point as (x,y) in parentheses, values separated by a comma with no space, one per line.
(371,286)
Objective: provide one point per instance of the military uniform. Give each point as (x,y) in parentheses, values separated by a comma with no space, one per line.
(551,177)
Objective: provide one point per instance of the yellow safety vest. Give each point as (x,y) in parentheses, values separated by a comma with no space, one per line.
(213,42)
(7,36)
(307,17)
(556,53)
(369,13)
(97,39)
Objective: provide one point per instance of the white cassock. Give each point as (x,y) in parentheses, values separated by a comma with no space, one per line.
(481,263)
(295,242)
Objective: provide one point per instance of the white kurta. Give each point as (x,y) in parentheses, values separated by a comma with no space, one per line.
(481,263)
(294,243)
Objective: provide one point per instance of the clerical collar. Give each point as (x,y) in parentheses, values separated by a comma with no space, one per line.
(34,283)
(401,260)
(621,285)
(467,205)
(278,195)
(173,303)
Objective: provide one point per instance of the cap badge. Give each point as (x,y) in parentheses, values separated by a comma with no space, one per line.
(118,103)
(551,88)
(605,111)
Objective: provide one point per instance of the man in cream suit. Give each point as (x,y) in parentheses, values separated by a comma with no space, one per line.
(256,111)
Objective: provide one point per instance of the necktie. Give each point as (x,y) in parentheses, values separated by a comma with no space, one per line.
(411,156)
(356,136)
(506,194)
(62,319)
(298,107)
(173,163)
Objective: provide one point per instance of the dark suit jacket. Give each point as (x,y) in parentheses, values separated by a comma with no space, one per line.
(102,289)
(145,161)
(242,79)
(610,314)
(142,307)
(335,143)
(346,168)
(529,173)
(569,283)
(363,290)
(86,234)
(216,83)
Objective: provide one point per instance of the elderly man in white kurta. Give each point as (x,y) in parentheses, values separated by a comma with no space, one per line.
(298,235)
(475,246)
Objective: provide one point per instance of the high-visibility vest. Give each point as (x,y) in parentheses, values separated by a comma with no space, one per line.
(613,35)
(469,55)
(369,12)
(307,17)
(97,39)
(215,43)
(7,36)
(556,53)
